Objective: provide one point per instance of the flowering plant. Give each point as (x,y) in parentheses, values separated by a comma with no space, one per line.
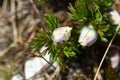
(90,23)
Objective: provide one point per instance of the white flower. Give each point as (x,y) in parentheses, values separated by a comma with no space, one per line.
(88,36)
(62,34)
(115,17)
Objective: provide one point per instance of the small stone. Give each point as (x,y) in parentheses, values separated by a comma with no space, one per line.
(17,77)
(34,65)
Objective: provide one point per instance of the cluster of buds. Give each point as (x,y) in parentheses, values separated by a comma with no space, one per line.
(88,34)
(87,37)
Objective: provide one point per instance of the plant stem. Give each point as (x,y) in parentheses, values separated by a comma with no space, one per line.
(48,62)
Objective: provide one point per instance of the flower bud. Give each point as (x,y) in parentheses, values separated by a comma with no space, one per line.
(115,61)
(115,17)
(62,34)
(88,36)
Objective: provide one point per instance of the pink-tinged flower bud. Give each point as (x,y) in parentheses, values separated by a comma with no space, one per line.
(115,17)
(88,36)
(115,60)
(62,34)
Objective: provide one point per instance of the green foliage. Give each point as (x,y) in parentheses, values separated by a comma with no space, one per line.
(101,31)
(40,40)
(94,12)
(44,37)
(61,51)
(79,12)
(68,52)
(51,21)
(106,3)
(69,49)
(57,51)
(89,10)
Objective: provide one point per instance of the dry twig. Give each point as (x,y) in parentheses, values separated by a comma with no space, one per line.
(13,19)
(55,73)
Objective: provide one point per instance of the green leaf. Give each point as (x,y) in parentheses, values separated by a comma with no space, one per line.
(106,3)
(51,21)
(61,62)
(100,33)
(78,12)
(68,52)
(42,38)
(98,16)
(104,39)
(53,57)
